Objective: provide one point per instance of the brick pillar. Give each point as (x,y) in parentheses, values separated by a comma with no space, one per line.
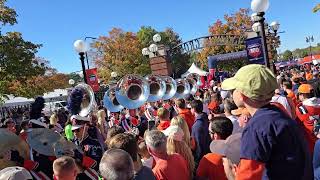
(160,63)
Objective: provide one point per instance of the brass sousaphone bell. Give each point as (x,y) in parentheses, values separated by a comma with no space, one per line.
(157,88)
(110,101)
(132,91)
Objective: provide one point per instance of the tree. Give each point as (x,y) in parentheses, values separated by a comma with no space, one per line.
(37,85)
(235,24)
(287,55)
(17,56)
(7,14)
(316,8)
(120,51)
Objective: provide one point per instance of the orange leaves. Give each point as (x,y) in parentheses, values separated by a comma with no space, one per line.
(234,24)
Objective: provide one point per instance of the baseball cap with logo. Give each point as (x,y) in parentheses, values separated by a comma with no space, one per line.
(305,89)
(15,173)
(254,81)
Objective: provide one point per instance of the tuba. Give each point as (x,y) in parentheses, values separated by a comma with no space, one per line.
(196,77)
(183,89)
(157,87)
(132,91)
(193,85)
(171,87)
(88,103)
(110,101)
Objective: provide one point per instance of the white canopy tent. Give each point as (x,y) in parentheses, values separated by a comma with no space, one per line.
(57,94)
(194,69)
(17,101)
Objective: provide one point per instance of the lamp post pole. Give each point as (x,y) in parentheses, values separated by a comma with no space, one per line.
(264,39)
(83,66)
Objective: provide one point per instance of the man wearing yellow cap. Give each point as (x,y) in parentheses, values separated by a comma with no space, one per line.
(272,144)
(308,111)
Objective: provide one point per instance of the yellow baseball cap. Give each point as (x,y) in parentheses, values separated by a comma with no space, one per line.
(255,81)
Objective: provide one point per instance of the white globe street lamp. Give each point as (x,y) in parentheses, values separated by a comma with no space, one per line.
(114,74)
(81,47)
(153,48)
(71,82)
(156,38)
(275,26)
(259,5)
(256,27)
(145,51)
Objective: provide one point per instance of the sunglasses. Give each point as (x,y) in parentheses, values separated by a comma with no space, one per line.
(76,130)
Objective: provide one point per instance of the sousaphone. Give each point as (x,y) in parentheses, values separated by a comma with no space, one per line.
(132,91)
(157,88)
(110,101)
(88,103)
(196,77)
(183,89)
(193,85)
(171,87)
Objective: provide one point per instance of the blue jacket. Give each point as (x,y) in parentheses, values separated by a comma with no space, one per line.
(200,134)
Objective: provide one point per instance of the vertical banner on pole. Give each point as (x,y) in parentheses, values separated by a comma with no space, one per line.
(92,79)
(254,49)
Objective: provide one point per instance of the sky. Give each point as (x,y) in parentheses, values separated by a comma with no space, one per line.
(56,24)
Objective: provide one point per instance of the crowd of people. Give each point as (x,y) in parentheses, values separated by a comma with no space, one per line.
(255,125)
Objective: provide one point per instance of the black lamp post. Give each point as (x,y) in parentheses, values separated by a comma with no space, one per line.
(81,47)
(259,7)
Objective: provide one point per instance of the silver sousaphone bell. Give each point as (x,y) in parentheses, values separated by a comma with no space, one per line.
(193,86)
(196,77)
(132,91)
(183,88)
(110,101)
(88,103)
(171,87)
(157,88)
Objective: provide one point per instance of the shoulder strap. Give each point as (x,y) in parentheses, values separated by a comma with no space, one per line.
(303,110)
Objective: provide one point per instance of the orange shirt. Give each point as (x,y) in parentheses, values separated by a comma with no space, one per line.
(188,117)
(292,96)
(250,170)
(211,167)
(308,123)
(173,168)
(163,125)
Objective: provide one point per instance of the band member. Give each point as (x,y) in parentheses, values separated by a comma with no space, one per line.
(91,147)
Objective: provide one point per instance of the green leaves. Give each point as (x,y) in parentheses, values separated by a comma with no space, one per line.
(7,15)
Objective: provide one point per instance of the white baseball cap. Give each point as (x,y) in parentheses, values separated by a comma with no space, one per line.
(174,131)
(15,173)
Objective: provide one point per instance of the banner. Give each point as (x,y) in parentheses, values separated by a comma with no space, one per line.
(254,49)
(92,79)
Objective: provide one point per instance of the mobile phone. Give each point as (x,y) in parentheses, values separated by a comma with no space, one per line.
(151,125)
